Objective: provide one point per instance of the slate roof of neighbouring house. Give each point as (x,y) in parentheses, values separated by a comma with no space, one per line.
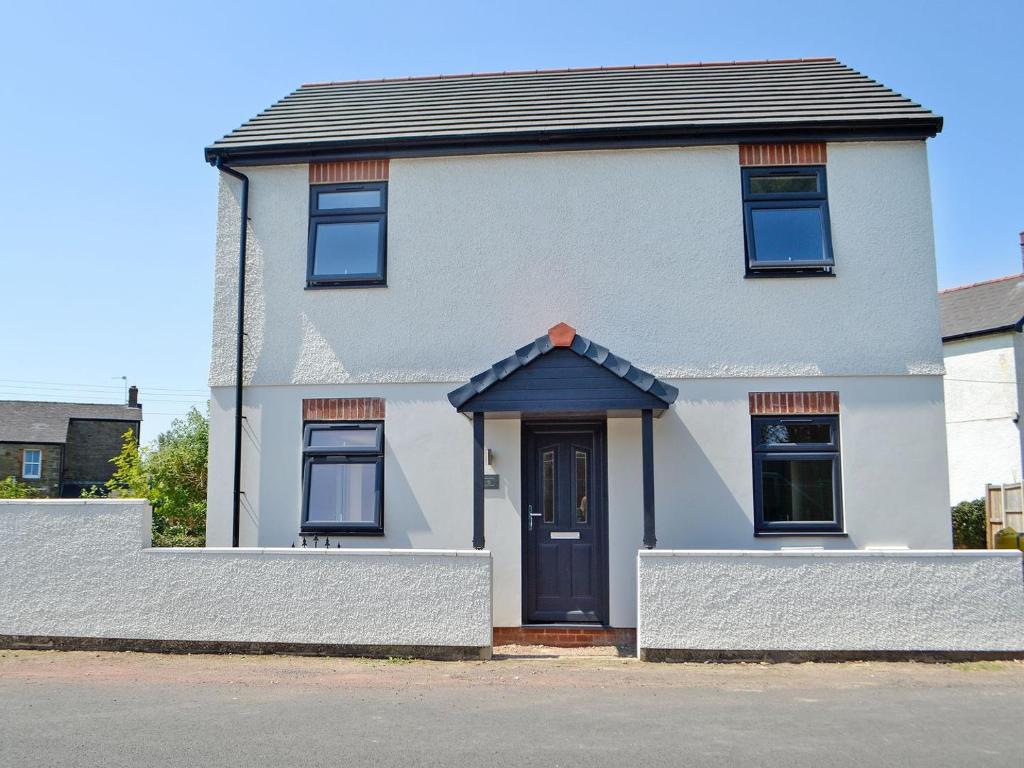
(988,307)
(543,105)
(29,421)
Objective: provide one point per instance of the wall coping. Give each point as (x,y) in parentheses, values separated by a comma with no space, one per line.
(315,551)
(72,502)
(838,553)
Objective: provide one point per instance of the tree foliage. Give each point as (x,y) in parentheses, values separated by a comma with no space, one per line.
(12,489)
(171,475)
(969,524)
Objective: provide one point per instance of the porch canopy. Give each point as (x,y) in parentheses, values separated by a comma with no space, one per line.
(563,373)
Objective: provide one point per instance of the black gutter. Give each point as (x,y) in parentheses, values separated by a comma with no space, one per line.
(236,494)
(1017,327)
(573,139)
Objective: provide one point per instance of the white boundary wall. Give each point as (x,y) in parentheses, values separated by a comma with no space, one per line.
(84,569)
(893,600)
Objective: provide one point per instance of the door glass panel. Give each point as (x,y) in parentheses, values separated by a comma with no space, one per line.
(548,486)
(581,487)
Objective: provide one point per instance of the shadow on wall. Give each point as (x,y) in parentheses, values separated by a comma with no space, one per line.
(696,508)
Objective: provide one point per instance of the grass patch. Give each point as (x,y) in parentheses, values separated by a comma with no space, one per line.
(981,666)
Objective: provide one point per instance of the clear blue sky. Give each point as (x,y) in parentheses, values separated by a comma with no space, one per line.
(107,208)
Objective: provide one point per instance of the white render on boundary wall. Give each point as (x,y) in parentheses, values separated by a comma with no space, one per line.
(963,600)
(703,475)
(983,404)
(82,568)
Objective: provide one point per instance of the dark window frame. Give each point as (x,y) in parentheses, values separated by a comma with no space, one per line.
(760,452)
(350,455)
(376,214)
(753,201)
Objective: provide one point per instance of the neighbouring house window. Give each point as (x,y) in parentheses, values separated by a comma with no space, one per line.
(785,219)
(32,464)
(347,234)
(797,486)
(343,478)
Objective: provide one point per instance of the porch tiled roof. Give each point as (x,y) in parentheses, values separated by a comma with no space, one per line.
(563,336)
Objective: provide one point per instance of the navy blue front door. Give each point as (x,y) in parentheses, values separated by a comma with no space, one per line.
(564,521)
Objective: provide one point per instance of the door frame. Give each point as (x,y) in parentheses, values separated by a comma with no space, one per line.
(598,425)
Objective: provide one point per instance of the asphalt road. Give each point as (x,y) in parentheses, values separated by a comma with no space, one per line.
(88,709)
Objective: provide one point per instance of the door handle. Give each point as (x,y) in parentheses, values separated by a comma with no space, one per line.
(530,514)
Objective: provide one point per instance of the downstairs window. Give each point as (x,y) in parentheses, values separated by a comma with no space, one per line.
(797,484)
(31,464)
(343,478)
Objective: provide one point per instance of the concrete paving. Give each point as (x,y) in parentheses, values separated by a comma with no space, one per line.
(102,709)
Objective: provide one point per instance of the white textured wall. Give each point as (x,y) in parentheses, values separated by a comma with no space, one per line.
(486,252)
(893,454)
(939,601)
(80,569)
(982,406)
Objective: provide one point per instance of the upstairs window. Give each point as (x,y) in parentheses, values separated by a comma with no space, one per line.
(785,217)
(347,234)
(797,487)
(343,478)
(31,464)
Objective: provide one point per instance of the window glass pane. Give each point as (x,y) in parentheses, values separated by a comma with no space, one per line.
(343,493)
(795,434)
(347,248)
(343,438)
(356,198)
(32,463)
(797,490)
(766,185)
(787,234)
(581,487)
(548,486)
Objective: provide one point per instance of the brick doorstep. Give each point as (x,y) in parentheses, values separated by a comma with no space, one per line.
(565,636)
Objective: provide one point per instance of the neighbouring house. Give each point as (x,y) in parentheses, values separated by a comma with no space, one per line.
(983,349)
(572,315)
(64,448)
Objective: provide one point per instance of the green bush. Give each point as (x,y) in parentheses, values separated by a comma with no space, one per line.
(969,524)
(171,475)
(12,489)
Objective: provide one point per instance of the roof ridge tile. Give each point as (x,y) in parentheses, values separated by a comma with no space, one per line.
(569,70)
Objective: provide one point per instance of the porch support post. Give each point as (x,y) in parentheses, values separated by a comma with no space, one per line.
(647,441)
(478,481)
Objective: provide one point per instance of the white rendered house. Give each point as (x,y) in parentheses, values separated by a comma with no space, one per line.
(983,348)
(571,315)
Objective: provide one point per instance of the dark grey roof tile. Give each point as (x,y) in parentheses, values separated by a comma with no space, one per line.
(608,101)
(972,310)
(29,421)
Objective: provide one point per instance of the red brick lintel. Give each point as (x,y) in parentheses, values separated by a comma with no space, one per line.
(348,170)
(343,409)
(783,154)
(776,403)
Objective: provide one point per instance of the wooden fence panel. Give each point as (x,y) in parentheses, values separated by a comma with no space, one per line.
(1004,508)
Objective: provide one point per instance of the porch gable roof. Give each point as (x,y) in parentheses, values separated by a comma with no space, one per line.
(565,372)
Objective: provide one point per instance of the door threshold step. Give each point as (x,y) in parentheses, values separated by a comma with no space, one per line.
(565,635)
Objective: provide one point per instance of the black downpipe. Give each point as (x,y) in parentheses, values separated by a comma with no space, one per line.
(236,494)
